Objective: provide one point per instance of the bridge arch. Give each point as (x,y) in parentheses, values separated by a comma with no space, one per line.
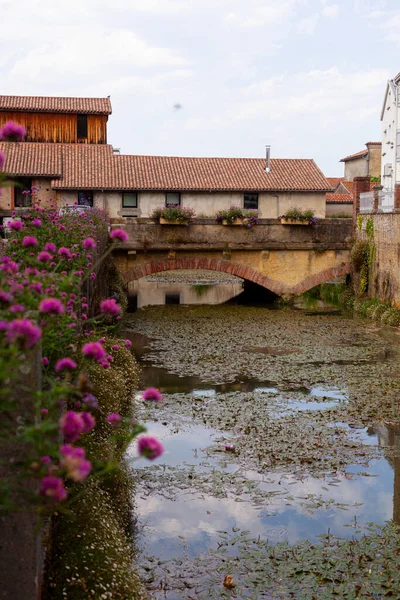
(244,272)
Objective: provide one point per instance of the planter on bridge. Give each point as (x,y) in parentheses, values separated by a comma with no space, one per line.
(167,222)
(235,222)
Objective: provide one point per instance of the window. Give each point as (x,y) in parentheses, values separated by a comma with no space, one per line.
(85,198)
(173,198)
(22,191)
(129,200)
(172,298)
(82,127)
(251,200)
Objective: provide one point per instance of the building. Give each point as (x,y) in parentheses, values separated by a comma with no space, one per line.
(66,156)
(366,163)
(390,173)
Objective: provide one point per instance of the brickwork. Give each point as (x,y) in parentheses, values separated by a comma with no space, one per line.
(361,184)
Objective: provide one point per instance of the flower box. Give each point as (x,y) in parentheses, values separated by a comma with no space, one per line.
(166,222)
(235,222)
(294,222)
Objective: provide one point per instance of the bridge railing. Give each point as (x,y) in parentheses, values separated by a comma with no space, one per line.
(366,202)
(386,201)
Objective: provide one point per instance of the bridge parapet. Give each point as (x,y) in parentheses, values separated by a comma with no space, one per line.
(269,234)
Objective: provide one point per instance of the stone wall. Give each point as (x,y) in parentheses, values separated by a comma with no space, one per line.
(385,275)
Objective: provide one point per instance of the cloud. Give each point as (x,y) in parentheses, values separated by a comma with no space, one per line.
(330,11)
(308,25)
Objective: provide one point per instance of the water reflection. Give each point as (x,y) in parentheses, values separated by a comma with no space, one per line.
(150,293)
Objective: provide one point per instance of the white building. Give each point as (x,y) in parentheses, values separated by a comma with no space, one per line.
(390,173)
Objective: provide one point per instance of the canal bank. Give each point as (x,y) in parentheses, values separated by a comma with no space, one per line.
(279,427)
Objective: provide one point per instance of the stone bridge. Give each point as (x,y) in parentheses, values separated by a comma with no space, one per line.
(286,259)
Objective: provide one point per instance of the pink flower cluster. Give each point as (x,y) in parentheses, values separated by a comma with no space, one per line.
(12,132)
(74,462)
(110,307)
(74,424)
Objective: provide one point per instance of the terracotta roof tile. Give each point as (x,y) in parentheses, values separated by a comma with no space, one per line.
(356,155)
(89,106)
(334,181)
(29,159)
(94,166)
(339,198)
(222,174)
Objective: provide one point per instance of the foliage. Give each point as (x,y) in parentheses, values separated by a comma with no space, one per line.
(360,220)
(363,254)
(339,216)
(172,212)
(249,217)
(297,214)
(375,179)
(391,316)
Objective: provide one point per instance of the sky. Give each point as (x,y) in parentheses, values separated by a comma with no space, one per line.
(213,77)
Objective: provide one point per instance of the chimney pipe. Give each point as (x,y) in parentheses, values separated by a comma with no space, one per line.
(268,159)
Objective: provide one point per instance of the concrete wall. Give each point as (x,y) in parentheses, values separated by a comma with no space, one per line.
(207,203)
(150,293)
(358,167)
(339,208)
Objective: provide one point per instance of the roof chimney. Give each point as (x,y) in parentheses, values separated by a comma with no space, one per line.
(268,159)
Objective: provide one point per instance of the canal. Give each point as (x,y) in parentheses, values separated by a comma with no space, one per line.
(280,426)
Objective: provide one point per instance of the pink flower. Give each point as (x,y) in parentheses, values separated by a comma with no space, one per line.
(89,243)
(71,425)
(9,266)
(15,225)
(52,306)
(229,447)
(37,222)
(74,462)
(94,350)
(152,394)
(149,447)
(44,256)
(64,252)
(5,297)
(23,331)
(44,411)
(113,419)
(53,487)
(16,308)
(115,347)
(46,460)
(28,241)
(11,132)
(45,361)
(90,401)
(128,344)
(119,234)
(93,276)
(49,247)
(64,364)
(88,422)
(110,307)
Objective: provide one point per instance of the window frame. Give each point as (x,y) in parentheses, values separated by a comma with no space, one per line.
(91,196)
(22,185)
(137,199)
(176,193)
(251,194)
(82,127)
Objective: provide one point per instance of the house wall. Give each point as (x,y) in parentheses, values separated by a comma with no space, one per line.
(57,128)
(389,124)
(206,203)
(339,208)
(357,167)
(45,193)
(375,156)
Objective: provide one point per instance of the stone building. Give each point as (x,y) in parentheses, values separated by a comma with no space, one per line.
(365,163)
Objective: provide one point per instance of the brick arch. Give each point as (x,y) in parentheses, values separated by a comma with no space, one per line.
(321,277)
(207,264)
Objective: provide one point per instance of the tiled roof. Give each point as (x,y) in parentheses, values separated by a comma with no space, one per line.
(339,198)
(356,155)
(334,181)
(89,106)
(94,166)
(30,159)
(222,174)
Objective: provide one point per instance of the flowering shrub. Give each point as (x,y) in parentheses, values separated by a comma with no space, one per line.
(172,212)
(43,263)
(230,215)
(297,214)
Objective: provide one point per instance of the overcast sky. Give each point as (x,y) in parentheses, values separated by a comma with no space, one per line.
(213,77)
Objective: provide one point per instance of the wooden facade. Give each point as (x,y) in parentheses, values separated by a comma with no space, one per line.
(57,128)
